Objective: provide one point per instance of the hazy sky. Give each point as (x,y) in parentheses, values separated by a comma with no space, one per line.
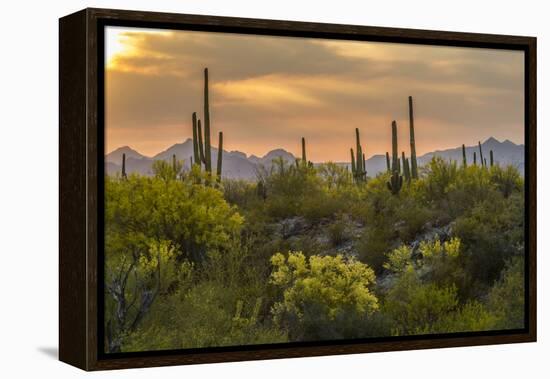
(267,92)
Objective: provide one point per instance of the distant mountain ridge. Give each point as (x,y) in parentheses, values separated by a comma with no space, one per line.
(237,165)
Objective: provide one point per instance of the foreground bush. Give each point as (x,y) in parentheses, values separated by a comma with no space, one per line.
(322,297)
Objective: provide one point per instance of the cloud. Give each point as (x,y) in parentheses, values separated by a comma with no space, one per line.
(267,92)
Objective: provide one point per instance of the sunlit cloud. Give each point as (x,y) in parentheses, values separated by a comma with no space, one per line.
(268,92)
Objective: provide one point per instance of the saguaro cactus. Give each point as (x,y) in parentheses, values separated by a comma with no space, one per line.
(491,159)
(414,165)
(304,158)
(207,149)
(475,159)
(406,168)
(396,181)
(123,174)
(202,158)
(174,168)
(220,152)
(358,160)
(196,155)
(388,162)
(353,168)
(481,160)
(464,156)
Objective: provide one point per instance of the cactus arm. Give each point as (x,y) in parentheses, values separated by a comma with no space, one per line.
(388,162)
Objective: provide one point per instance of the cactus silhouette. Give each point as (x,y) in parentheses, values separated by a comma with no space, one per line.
(353,168)
(207,147)
(475,159)
(358,160)
(220,152)
(123,174)
(406,168)
(202,158)
(464,156)
(414,164)
(202,147)
(396,181)
(304,157)
(491,159)
(388,162)
(196,155)
(481,160)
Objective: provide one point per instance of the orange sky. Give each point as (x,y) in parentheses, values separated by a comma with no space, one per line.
(268,92)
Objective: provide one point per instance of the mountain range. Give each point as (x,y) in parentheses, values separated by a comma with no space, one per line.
(237,165)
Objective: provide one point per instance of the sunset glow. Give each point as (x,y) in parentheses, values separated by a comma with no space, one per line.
(268,92)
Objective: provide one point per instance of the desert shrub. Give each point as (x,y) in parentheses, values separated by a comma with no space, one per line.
(439,177)
(338,231)
(374,243)
(322,297)
(416,307)
(507,296)
(491,233)
(167,170)
(194,217)
(240,193)
(412,217)
(334,177)
(399,259)
(471,317)
(208,314)
(507,180)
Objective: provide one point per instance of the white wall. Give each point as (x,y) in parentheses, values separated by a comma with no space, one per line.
(28,189)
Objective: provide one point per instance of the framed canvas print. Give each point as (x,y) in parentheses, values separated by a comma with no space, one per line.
(237,189)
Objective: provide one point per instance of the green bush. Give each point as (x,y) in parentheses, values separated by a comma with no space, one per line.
(320,293)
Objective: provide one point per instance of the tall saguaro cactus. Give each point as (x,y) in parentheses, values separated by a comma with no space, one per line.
(491,159)
(464,156)
(414,165)
(358,161)
(396,181)
(475,159)
(123,174)
(207,149)
(202,148)
(220,152)
(304,157)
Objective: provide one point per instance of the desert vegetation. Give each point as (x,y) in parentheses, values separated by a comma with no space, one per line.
(310,252)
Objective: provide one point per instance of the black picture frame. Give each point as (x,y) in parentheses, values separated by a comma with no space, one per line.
(81,155)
